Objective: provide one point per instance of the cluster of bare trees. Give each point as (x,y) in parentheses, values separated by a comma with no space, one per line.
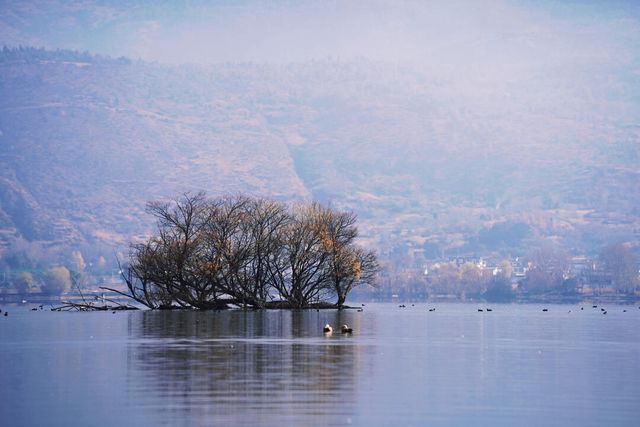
(251,251)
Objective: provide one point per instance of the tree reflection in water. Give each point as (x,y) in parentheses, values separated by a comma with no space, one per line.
(253,367)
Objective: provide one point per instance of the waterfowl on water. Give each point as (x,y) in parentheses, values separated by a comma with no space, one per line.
(480,310)
(489,309)
(345,329)
(327,329)
(545,309)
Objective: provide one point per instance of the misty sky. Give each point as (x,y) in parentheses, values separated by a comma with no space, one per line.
(484,35)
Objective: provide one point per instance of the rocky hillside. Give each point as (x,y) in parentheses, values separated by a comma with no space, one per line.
(86,141)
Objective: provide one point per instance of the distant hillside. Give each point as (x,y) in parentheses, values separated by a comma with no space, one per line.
(86,141)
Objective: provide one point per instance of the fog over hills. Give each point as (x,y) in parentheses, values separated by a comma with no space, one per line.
(503,128)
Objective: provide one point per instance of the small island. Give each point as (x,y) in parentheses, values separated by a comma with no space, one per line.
(248,252)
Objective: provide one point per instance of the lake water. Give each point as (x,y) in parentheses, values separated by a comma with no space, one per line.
(516,365)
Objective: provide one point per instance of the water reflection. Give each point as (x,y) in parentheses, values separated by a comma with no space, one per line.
(514,366)
(243,367)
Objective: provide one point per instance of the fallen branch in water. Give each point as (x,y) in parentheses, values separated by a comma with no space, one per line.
(90,306)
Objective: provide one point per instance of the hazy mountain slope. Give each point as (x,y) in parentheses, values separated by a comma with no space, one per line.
(87,141)
(90,141)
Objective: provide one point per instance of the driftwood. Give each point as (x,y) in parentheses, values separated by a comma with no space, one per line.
(81,306)
(93,305)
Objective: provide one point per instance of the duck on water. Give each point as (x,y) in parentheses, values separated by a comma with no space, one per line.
(346,329)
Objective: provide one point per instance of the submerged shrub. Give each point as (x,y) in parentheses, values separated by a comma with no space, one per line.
(250,251)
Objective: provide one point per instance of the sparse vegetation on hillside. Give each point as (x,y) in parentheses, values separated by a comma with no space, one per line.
(424,165)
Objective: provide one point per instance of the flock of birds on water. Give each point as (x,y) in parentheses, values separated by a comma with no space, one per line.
(481,310)
(345,329)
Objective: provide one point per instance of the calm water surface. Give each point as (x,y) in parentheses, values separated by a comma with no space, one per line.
(513,366)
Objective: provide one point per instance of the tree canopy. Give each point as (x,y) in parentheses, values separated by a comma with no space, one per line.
(250,251)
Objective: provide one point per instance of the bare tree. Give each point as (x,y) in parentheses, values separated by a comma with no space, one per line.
(298,272)
(266,219)
(168,267)
(247,251)
(227,246)
(357,267)
(347,265)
